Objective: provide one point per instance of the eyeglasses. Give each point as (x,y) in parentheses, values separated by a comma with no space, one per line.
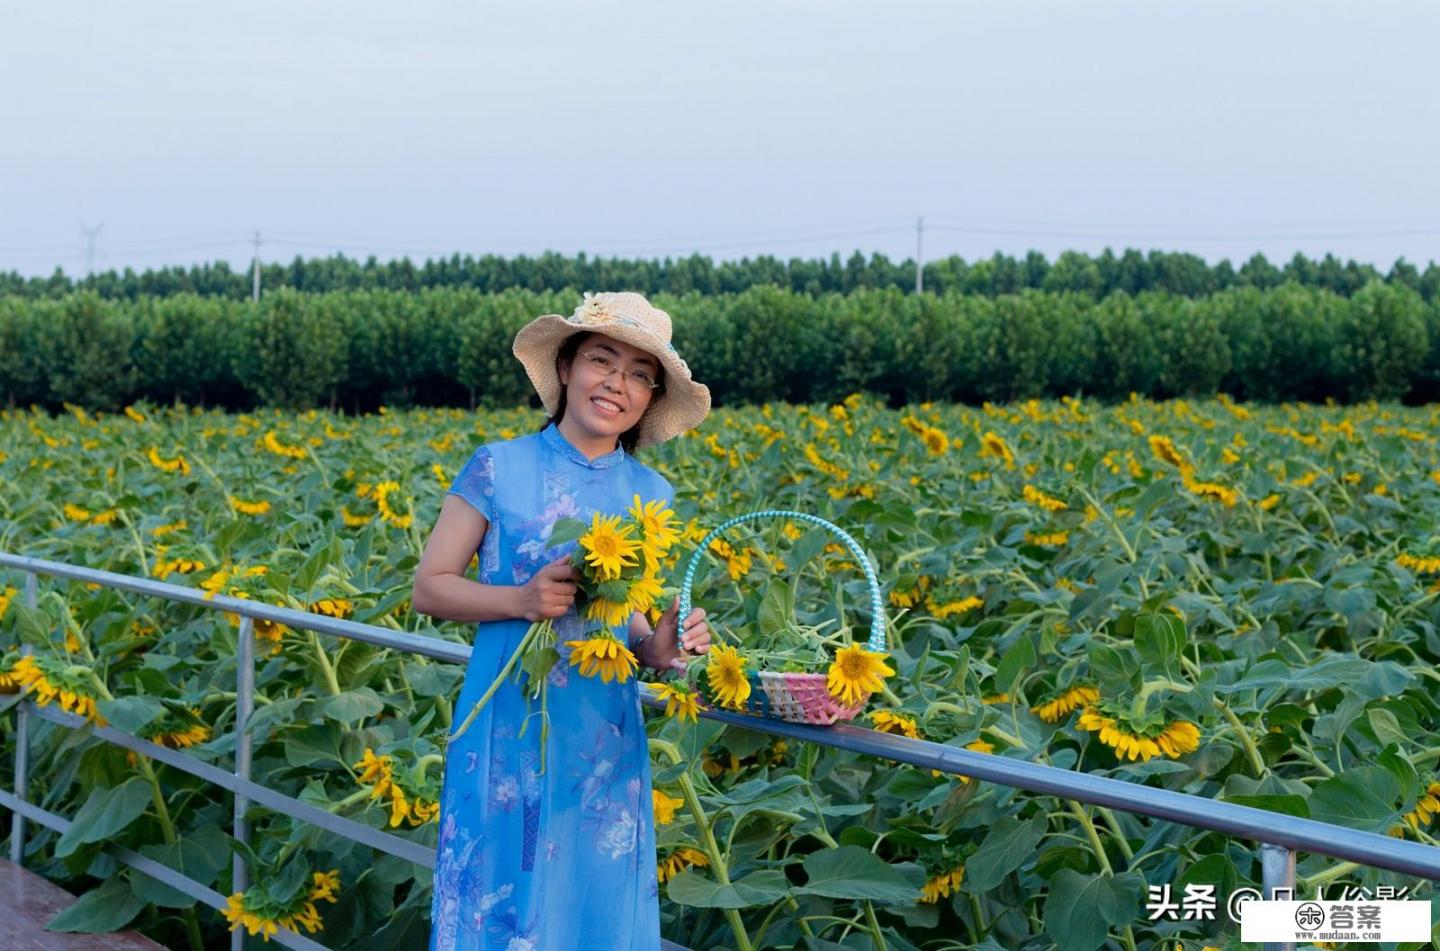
(635,377)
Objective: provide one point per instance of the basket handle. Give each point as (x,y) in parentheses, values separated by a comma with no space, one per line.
(877,609)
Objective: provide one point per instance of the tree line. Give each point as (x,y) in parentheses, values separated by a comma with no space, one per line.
(357,350)
(1098,276)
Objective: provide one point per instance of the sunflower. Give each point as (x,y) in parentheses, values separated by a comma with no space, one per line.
(664,807)
(327,885)
(1125,744)
(659,530)
(887,721)
(951,608)
(375,770)
(725,671)
(643,593)
(679,860)
(1038,498)
(856,673)
(1427,808)
(1178,738)
(1225,495)
(991,444)
(605,655)
(680,700)
(607,612)
(935,440)
(1163,448)
(332,607)
(1058,708)
(608,547)
(1175,740)
(975,746)
(942,885)
(249,508)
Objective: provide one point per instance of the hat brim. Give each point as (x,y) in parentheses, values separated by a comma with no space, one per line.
(683,405)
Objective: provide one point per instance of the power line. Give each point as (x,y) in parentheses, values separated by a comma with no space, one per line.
(319,239)
(669,250)
(1179,236)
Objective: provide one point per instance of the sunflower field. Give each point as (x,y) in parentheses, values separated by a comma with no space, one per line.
(1226,600)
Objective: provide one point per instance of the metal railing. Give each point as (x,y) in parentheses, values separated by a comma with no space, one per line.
(1279,836)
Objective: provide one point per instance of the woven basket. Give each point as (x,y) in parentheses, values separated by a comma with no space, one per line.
(796,697)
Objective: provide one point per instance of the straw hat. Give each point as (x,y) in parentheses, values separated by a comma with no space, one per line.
(630,318)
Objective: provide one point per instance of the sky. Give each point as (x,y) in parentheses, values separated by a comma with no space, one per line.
(787,127)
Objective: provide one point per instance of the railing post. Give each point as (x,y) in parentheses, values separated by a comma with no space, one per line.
(1277,872)
(244,706)
(22,742)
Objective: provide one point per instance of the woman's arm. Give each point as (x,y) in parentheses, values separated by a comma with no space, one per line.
(441,589)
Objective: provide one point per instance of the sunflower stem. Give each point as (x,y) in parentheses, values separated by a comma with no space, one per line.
(876,935)
(326,668)
(981,925)
(167,831)
(1093,835)
(1252,752)
(500,678)
(707,839)
(1114,825)
(1329,875)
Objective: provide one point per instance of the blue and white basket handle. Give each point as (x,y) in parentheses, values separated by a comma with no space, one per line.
(877,607)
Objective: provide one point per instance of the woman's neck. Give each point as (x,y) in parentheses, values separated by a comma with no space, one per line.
(591,446)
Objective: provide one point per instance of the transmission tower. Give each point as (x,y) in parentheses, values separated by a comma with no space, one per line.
(90,235)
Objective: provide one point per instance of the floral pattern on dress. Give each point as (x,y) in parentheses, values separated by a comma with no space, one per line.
(514,841)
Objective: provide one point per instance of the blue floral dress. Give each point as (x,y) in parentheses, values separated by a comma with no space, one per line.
(565,858)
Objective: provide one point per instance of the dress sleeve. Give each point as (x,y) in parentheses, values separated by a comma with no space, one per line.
(476,483)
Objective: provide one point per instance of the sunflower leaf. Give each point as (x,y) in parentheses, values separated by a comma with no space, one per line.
(566,530)
(852,872)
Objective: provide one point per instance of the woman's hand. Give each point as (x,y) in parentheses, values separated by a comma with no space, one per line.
(660,649)
(550,592)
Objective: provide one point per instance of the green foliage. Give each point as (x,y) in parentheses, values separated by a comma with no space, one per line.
(185,349)
(1193,355)
(1281,341)
(22,368)
(1380,344)
(358,350)
(1097,276)
(1293,626)
(85,348)
(292,356)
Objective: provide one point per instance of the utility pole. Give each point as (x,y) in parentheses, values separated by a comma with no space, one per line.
(255,270)
(919,255)
(90,235)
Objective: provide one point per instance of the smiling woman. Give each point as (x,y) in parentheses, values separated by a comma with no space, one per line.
(527,812)
(614,384)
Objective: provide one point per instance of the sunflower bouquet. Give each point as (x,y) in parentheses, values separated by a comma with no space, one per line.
(789,671)
(616,563)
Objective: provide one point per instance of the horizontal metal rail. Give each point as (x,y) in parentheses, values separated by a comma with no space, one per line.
(160,872)
(305,812)
(1247,822)
(1270,829)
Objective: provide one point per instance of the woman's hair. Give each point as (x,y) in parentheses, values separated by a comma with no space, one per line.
(566,357)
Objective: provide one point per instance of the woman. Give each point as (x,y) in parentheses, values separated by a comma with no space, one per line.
(562,857)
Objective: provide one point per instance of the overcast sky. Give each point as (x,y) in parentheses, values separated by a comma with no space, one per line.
(732,129)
